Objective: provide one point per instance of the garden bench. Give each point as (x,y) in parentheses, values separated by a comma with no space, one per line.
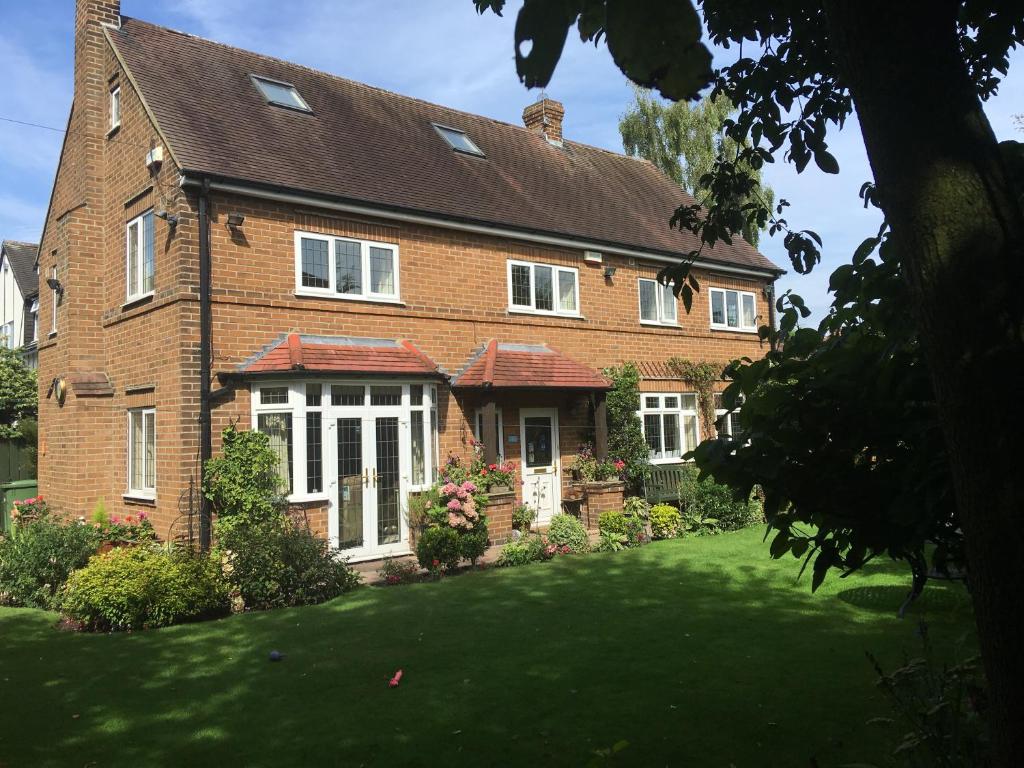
(663,483)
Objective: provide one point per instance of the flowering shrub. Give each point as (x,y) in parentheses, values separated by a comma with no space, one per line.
(131,529)
(589,469)
(523,517)
(461,504)
(27,510)
(439,549)
(398,571)
(567,535)
(39,555)
(503,474)
(666,523)
(631,528)
(526,549)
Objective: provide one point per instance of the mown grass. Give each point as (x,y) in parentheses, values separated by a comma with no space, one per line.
(700,652)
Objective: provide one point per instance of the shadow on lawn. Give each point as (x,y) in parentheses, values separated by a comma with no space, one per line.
(538,664)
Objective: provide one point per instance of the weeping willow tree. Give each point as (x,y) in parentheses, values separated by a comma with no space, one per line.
(684,141)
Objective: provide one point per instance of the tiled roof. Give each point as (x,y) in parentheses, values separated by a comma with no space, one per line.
(367,146)
(22,258)
(340,354)
(526,366)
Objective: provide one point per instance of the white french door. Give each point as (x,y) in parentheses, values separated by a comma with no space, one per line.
(540,461)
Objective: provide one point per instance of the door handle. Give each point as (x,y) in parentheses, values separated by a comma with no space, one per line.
(366,478)
(374,477)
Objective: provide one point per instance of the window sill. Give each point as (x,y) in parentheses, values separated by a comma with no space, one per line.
(139,498)
(137,301)
(309,294)
(655,324)
(553,315)
(727,329)
(312,498)
(678,460)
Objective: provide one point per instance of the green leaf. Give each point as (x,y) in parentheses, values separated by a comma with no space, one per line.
(825,161)
(544,25)
(657,45)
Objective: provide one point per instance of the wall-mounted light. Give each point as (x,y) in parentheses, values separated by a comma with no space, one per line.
(609,273)
(55,285)
(235,220)
(170,218)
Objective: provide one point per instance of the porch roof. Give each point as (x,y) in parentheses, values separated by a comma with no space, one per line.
(526,366)
(296,353)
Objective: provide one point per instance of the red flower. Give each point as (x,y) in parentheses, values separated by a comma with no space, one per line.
(492,467)
(436,562)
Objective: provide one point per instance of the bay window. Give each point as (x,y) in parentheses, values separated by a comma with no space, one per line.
(543,289)
(733,310)
(345,268)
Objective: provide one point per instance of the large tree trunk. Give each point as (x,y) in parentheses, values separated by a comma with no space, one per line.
(960,232)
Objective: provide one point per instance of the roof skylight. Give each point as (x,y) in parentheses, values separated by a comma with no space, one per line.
(458,140)
(281,94)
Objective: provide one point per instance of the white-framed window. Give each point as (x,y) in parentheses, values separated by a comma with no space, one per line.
(499,430)
(54,301)
(140,251)
(115,108)
(345,268)
(733,310)
(727,423)
(671,424)
(142,453)
(657,303)
(543,289)
(298,418)
(280,93)
(7,332)
(34,313)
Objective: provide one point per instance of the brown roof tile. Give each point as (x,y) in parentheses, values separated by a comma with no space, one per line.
(369,146)
(324,354)
(526,366)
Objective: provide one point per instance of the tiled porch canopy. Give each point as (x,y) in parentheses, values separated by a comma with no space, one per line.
(500,366)
(527,366)
(340,354)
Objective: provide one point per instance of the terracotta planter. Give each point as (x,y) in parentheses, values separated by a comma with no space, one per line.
(499,489)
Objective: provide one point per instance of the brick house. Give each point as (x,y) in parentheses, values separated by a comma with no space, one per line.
(370,279)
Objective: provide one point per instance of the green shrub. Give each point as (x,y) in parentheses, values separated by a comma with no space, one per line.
(242,483)
(143,587)
(666,522)
(706,499)
(277,563)
(38,556)
(526,549)
(625,430)
(473,544)
(610,542)
(439,547)
(630,528)
(398,571)
(523,517)
(567,531)
(636,506)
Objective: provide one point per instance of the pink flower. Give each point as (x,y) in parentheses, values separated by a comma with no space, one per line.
(461,494)
(142,516)
(565,549)
(115,519)
(448,489)
(454,505)
(469,486)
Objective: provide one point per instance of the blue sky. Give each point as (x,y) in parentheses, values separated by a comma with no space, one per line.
(437,50)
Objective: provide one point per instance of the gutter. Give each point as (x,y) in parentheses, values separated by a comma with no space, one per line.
(205,347)
(282,196)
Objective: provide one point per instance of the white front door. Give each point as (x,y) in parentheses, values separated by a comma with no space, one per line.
(541,490)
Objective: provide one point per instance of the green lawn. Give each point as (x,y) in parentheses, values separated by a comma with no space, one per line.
(700,652)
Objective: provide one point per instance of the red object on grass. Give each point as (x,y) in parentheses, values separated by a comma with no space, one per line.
(394,681)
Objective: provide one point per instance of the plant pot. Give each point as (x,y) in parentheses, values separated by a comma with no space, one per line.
(498,489)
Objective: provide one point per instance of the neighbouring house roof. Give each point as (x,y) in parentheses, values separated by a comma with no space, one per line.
(340,354)
(526,366)
(364,145)
(22,258)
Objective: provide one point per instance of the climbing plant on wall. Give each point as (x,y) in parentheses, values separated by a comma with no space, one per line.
(625,432)
(702,374)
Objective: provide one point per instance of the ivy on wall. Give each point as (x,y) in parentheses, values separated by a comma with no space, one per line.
(625,431)
(702,375)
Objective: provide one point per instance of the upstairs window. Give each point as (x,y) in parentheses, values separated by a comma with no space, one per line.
(34,312)
(733,310)
(115,108)
(281,94)
(343,268)
(141,251)
(543,289)
(458,140)
(657,303)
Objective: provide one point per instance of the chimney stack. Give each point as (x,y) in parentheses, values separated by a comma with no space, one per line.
(545,117)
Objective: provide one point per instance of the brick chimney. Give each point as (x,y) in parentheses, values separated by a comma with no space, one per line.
(545,117)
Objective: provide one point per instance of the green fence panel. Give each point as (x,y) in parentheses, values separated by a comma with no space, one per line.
(15,461)
(12,492)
